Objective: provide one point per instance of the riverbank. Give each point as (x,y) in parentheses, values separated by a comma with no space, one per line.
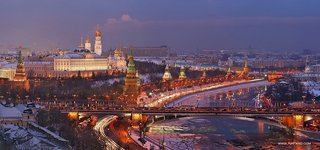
(169,96)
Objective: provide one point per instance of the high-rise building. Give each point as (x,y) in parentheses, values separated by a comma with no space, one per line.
(20,71)
(97,44)
(131,89)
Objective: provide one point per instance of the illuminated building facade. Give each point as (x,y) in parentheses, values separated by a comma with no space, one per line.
(80,62)
(8,71)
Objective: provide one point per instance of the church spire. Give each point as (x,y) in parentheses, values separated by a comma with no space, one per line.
(81,42)
(20,59)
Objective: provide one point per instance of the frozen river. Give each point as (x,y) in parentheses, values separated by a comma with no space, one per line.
(221,132)
(225,133)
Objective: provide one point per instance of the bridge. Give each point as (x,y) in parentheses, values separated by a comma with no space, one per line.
(202,112)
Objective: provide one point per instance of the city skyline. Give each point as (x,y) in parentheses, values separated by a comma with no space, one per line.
(183,26)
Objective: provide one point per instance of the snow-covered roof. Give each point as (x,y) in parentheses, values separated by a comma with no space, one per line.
(309,83)
(37,62)
(70,55)
(9,112)
(307,75)
(314,92)
(21,107)
(283,82)
(12,65)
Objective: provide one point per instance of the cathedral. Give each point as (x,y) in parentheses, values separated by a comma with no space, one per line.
(117,60)
(86,47)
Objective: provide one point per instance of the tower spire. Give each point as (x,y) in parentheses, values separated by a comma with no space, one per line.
(20,59)
(20,70)
(81,42)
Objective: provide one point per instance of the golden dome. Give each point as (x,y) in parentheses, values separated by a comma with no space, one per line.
(87,40)
(116,51)
(98,33)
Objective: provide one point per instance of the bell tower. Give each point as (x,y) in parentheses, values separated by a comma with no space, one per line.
(98,44)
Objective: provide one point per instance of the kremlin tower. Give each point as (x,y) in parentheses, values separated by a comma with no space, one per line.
(245,69)
(131,89)
(167,75)
(229,73)
(97,44)
(182,74)
(204,75)
(20,71)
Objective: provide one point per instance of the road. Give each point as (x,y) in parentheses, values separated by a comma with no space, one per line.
(119,131)
(172,95)
(191,98)
(100,130)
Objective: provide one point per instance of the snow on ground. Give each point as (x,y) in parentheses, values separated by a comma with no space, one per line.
(98,84)
(315,92)
(143,77)
(29,138)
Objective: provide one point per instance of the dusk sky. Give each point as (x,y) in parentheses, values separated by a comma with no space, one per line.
(180,24)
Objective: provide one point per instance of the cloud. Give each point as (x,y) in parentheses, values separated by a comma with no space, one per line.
(126,22)
(126,18)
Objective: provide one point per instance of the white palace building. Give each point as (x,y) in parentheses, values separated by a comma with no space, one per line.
(82,62)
